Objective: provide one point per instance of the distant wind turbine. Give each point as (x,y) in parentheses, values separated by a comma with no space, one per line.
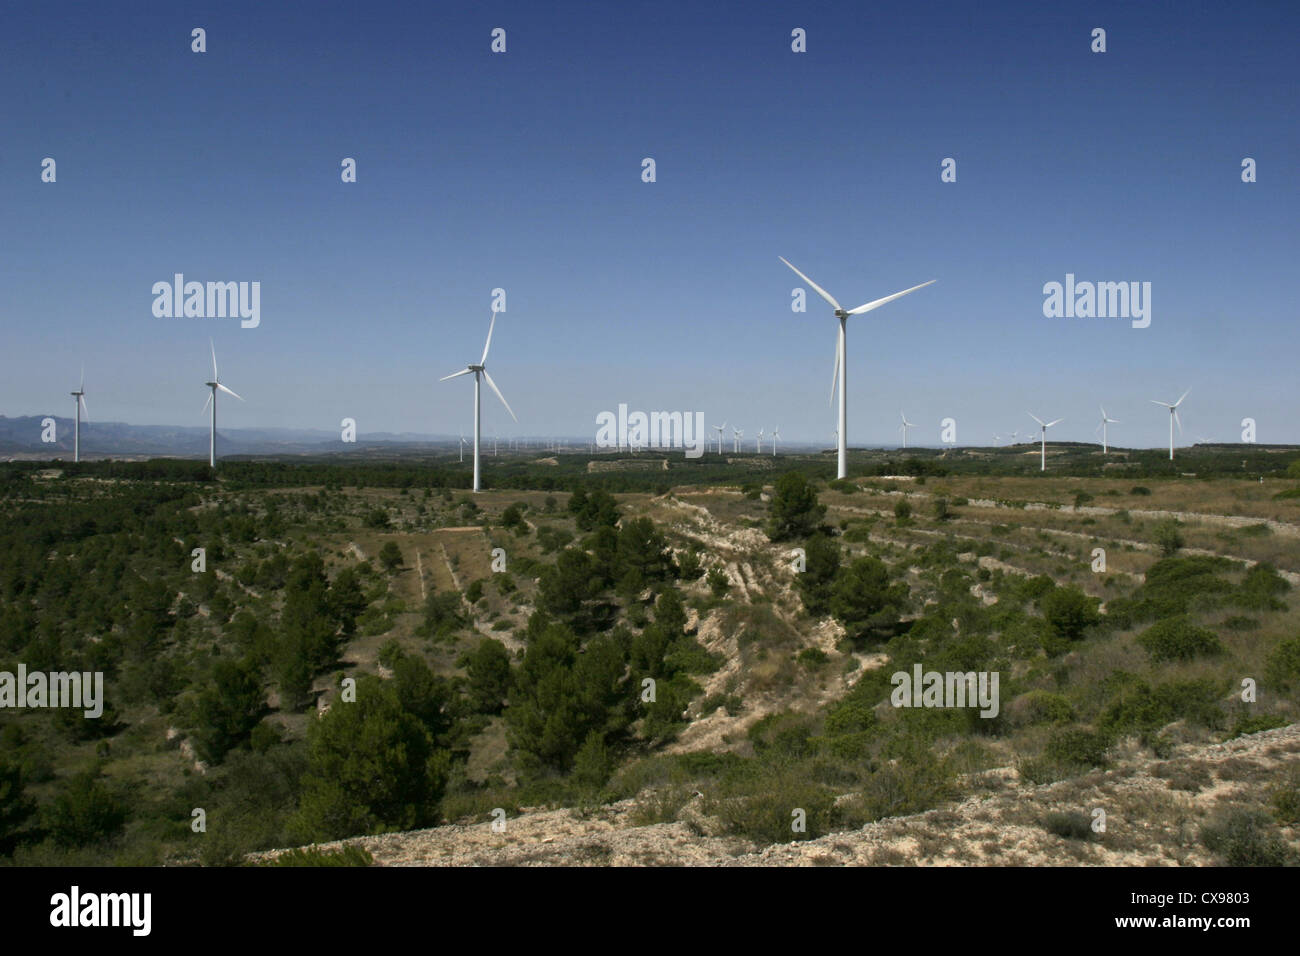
(1045,427)
(904,427)
(80,396)
(736,436)
(841,368)
(776,433)
(480,373)
(1173,417)
(759,446)
(216,386)
(1102,428)
(720,429)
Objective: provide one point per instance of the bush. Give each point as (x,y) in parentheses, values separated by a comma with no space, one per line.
(1072,825)
(1178,639)
(794,511)
(348,855)
(1169,536)
(718,582)
(1284,661)
(1069,612)
(902,509)
(1140,490)
(1245,838)
(1077,747)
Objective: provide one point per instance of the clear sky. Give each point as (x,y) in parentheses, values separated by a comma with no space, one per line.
(522,171)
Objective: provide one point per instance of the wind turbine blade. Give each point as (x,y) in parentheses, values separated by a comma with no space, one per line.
(464,371)
(835,374)
(84,410)
(227,391)
(82,386)
(1057,422)
(1180,401)
(1035,417)
(488,344)
(816,288)
(1097,429)
(494,388)
(1178,421)
(214,359)
(1165,404)
(889,298)
(208,402)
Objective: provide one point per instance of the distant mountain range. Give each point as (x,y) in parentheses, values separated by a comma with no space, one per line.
(22,437)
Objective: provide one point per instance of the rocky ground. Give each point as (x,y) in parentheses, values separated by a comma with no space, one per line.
(1153,813)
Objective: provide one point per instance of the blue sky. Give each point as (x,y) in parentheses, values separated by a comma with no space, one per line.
(522,171)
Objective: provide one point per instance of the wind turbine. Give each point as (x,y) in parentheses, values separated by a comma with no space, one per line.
(736,436)
(759,446)
(904,427)
(80,396)
(1173,417)
(480,373)
(720,429)
(1102,428)
(462,447)
(1045,427)
(841,368)
(776,433)
(216,386)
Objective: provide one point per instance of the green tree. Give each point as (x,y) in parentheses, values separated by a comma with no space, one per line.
(372,768)
(85,811)
(822,556)
(488,665)
(794,511)
(390,556)
(228,707)
(863,599)
(15,807)
(1169,536)
(1069,612)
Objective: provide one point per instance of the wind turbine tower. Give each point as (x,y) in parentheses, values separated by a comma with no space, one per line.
(480,374)
(216,386)
(80,396)
(1044,427)
(841,370)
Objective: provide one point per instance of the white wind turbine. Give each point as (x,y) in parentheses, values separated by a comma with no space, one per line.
(80,396)
(480,373)
(720,429)
(841,366)
(1102,428)
(904,427)
(736,436)
(776,433)
(216,386)
(1045,426)
(759,446)
(1173,417)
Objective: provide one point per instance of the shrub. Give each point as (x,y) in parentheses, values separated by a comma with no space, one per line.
(1245,838)
(348,855)
(1284,661)
(1072,825)
(1077,747)
(1169,536)
(718,582)
(902,509)
(1178,639)
(1069,612)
